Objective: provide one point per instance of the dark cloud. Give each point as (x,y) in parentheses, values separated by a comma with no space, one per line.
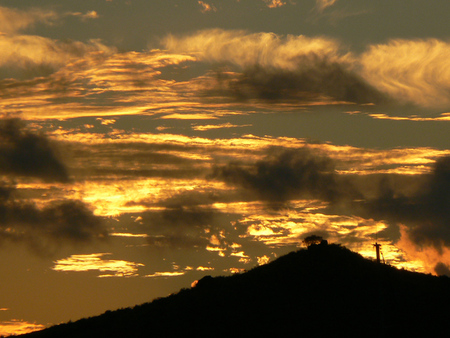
(287,174)
(442,270)
(182,216)
(43,229)
(187,226)
(178,227)
(25,153)
(425,212)
(314,79)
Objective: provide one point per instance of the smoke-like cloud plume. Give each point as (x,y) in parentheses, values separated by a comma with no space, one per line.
(29,154)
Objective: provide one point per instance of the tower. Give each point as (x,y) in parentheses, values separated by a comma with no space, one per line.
(377,249)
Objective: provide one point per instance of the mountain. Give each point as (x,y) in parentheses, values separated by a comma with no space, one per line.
(322,291)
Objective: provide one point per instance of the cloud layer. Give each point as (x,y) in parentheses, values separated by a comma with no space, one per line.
(270,66)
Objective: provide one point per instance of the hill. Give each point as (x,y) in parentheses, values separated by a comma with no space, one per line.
(324,291)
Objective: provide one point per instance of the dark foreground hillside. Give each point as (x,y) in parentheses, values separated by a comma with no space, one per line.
(325,291)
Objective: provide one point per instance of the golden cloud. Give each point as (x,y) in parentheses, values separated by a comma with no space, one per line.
(92,262)
(274,3)
(416,71)
(265,49)
(13,20)
(207,7)
(25,51)
(165,274)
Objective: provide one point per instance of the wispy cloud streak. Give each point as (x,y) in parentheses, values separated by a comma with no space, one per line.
(416,71)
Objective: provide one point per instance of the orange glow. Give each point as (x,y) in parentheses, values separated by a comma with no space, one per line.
(205,268)
(263,260)
(235,270)
(219,126)
(274,3)
(442,117)
(186,116)
(165,274)
(422,259)
(18,327)
(207,7)
(120,234)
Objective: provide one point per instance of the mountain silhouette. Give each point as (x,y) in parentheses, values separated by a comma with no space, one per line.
(322,291)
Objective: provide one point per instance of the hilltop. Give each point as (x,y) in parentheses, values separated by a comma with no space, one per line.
(322,291)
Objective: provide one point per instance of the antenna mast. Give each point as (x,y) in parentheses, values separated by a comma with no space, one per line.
(377,246)
(377,249)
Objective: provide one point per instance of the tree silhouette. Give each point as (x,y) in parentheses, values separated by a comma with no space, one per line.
(313,239)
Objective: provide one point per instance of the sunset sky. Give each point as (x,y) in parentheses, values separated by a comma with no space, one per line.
(145,144)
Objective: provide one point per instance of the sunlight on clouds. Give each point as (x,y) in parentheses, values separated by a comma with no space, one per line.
(165,274)
(207,7)
(93,79)
(235,270)
(18,327)
(113,200)
(13,20)
(188,116)
(95,262)
(218,126)
(442,117)
(243,257)
(422,258)
(106,122)
(220,251)
(265,49)
(87,15)
(204,268)
(416,71)
(128,235)
(26,51)
(349,159)
(274,3)
(322,4)
(263,260)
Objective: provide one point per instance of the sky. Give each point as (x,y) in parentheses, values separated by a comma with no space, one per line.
(146,144)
